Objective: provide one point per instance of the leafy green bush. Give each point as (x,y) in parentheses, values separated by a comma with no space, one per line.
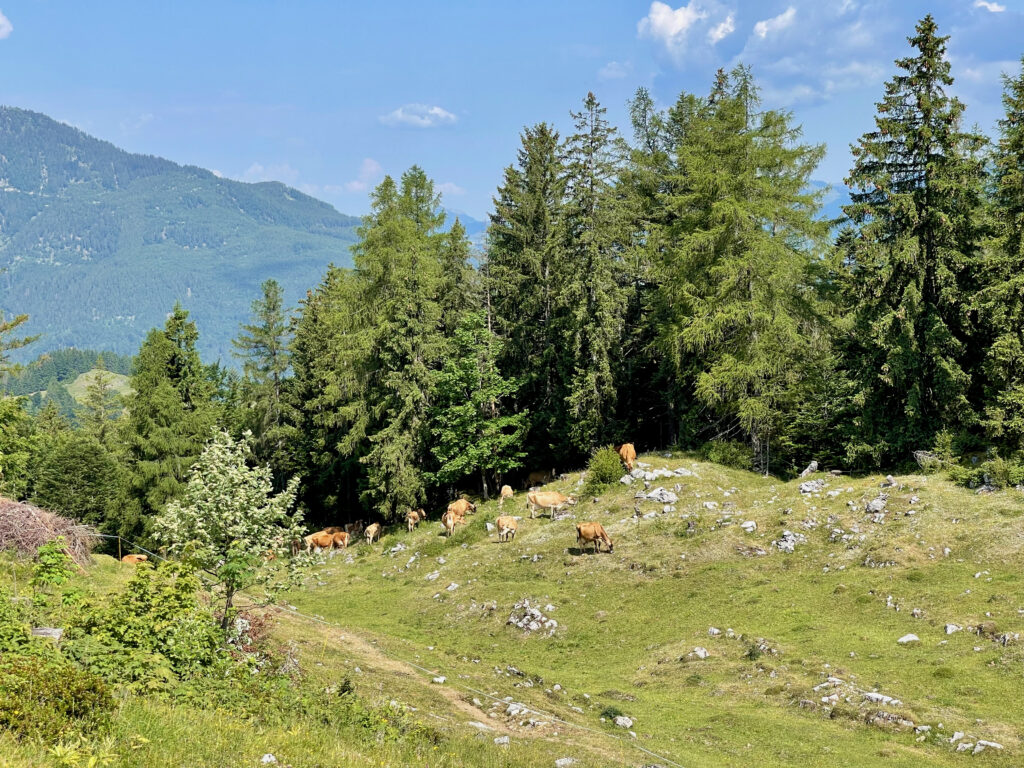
(15,632)
(50,699)
(996,471)
(155,632)
(728,453)
(603,469)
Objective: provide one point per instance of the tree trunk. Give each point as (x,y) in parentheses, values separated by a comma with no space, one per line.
(228,605)
(483,483)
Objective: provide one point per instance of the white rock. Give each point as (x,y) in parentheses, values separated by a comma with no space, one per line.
(710,505)
(700,652)
(623,722)
(964,746)
(910,638)
(713,631)
(479,726)
(982,744)
(957,735)
(440,680)
(432,575)
(626,479)
(881,698)
(452,587)
(490,527)
(951,628)
(268,759)
(565,762)
(501,741)
(749,526)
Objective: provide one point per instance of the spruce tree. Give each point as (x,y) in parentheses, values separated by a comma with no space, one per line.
(171,415)
(522,276)
(919,178)
(100,406)
(736,242)
(1001,301)
(457,292)
(595,232)
(474,433)
(263,348)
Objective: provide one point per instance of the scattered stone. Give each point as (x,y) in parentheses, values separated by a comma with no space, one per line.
(749,526)
(565,762)
(623,722)
(683,472)
(440,679)
(479,726)
(951,628)
(982,745)
(626,479)
(490,527)
(700,652)
(268,759)
(908,639)
(501,741)
(964,746)
(452,587)
(877,504)
(789,541)
(528,617)
(662,496)
(812,486)
(714,631)
(811,469)
(432,575)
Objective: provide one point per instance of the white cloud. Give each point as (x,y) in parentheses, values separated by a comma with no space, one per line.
(419,116)
(722,30)
(988,6)
(369,172)
(450,188)
(775,24)
(668,26)
(614,70)
(5,26)
(281,172)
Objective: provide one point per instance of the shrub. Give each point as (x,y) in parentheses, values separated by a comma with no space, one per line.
(996,471)
(728,453)
(14,630)
(50,699)
(603,469)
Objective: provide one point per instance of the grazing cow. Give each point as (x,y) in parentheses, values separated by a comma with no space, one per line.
(506,526)
(506,493)
(552,500)
(595,533)
(134,559)
(413,518)
(460,507)
(628,455)
(448,521)
(372,532)
(539,477)
(321,540)
(333,529)
(355,528)
(341,540)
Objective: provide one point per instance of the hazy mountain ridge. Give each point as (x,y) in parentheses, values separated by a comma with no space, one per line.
(99,243)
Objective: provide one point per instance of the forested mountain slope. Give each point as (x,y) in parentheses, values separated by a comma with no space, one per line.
(99,243)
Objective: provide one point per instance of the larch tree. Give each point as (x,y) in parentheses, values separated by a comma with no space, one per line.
(917,200)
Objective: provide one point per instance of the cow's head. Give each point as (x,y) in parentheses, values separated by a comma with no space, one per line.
(611,546)
(571,501)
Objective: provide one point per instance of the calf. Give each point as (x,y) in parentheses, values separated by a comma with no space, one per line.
(506,526)
(506,493)
(595,533)
(372,532)
(628,455)
(134,559)
(460,507)
(413,517)
(448,521)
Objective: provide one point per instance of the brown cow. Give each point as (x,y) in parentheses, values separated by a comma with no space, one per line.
(506,526)
(460,507)
(413,518)
(134,559)
(448,520)
(539,477)
(321,540)
(372,532)
(506,493)
(333,529)
(341,540)
(552,500)
(355,528)
(593,532)
(628,455)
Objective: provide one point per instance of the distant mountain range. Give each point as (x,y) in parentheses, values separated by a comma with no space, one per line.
(98,244)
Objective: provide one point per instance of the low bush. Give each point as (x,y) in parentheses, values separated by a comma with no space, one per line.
(49,699)
(603,469)
(995,472)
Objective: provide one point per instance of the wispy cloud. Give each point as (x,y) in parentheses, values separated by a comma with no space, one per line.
(669,26)
(988,6)
(722,30)
(370,171)
(775,24)
(132,124)
(419,116)
(5,26)
(450,188)
(614,70)
(279,172)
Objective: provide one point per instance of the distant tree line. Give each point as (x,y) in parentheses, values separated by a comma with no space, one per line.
(679,288)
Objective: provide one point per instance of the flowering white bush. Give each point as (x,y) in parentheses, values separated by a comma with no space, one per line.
(229,524)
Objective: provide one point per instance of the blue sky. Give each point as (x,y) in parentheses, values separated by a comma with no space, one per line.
(329,96)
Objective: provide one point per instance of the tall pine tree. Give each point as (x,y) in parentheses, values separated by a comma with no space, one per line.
(919,179)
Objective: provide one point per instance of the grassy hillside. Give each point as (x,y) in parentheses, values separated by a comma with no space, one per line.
(99,243)
(806,641)
(78,388)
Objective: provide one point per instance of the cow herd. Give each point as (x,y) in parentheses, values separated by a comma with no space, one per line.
(589,533)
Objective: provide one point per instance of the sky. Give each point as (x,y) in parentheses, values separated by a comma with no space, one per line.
(330,96)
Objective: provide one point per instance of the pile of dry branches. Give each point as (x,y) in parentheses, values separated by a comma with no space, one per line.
(24,528)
